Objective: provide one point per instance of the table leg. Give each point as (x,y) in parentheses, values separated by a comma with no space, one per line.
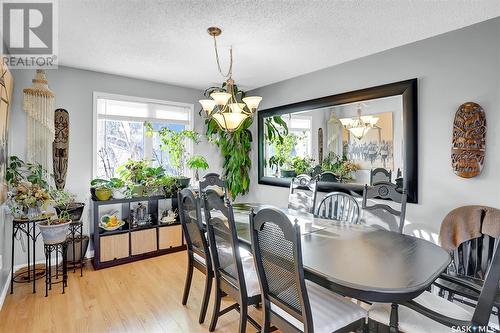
(81,250)
(393,323)
(28,233)
(46,273)
(34,258)
(64,247)
(73,245)
(12,261)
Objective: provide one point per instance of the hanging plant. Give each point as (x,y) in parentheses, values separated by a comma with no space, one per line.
(236,146)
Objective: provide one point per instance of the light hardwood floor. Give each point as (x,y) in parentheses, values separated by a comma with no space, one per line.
(143,296)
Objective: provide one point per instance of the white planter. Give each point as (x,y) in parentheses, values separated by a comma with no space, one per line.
(118,193)
(54,233)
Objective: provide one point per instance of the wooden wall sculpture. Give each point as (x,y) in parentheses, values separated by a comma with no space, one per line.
(6,85)
(60,147)
(320,146)
(469,140)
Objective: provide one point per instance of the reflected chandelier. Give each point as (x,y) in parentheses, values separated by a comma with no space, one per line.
(224,107)
(360,125)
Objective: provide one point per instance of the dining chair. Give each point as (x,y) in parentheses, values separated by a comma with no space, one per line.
(340,207)
(197,247)
(234,268)
(303,193)
(389,191)
(213,180)
(471,259)
(316,171)
(379,175)
(431,313)
(328,176)
(291,303)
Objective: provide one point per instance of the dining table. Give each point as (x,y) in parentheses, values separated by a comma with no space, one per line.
(358,260)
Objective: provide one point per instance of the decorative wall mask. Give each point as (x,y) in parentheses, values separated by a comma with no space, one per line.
(320,146)
(469,140)
(39,106)
(60,147)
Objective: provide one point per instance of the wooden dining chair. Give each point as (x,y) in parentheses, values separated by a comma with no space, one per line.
(380,175)
(431,313)
(234,268)
(328,176)
(291,303)
(197,247)
(340,207)
(303,193)
(213,180)
(386,191)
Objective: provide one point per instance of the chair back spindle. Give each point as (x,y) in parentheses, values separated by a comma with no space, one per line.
(340,207)
(303,193)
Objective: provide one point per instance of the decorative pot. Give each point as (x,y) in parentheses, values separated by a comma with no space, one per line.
(287,173)
(154,190)
(138,190)
(78,256)
(118,193)
(183,182)
(92,194)
(54,233)
(103,194)
(75,210)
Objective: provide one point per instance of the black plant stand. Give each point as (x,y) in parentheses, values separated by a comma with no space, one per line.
(57,248)
(76,229)
(26,227)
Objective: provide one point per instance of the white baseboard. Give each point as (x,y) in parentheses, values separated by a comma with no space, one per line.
(5,289)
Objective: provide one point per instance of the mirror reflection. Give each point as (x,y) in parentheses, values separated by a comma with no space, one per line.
(360,143)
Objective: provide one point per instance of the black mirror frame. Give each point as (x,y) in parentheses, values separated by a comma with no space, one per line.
(408,89)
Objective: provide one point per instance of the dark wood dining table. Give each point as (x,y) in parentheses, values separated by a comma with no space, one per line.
(357,260)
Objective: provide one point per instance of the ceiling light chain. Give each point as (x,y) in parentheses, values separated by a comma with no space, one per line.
(230,70)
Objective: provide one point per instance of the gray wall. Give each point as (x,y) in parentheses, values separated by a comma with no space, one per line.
(73,89)
(453,68)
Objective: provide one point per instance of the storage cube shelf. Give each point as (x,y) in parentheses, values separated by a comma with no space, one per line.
(128,244)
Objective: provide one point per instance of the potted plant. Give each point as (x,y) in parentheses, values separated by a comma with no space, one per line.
(282,158)
(55,231)
(341,167)
(174,143)
(302,165)
(170,185)
(132,173)
(28,188)
(65,201)
(151,176)
(197,162)
(118,188)
(102,189)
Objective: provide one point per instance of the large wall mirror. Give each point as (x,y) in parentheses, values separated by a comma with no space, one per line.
(346,140)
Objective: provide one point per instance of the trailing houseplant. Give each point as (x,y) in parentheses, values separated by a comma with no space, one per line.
(175,144)
(28,188)
(235,146)
(197,162)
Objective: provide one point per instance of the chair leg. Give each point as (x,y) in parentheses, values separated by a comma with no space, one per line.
(206,297)
(187,285)
(393,323)
(243,317)
(216,310)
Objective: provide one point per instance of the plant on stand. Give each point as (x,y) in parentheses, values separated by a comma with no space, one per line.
(66,201)
(175,144)
(197,162)
(133,174)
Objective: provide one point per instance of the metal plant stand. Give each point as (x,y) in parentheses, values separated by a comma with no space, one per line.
(76,229)
(26,227)
(57,249)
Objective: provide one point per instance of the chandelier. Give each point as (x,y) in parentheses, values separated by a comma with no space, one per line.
(360,125)
(223,105)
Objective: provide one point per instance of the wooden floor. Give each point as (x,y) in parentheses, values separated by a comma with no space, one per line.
(143,296)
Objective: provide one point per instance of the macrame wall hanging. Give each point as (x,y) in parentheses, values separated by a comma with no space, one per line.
(39,107)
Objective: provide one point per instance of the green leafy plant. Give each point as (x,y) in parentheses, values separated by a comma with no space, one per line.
(132,172)
(283,147)
(62,199)
(302,165)
(174,143)
(339,166)
(169,183)
(235,146)
(18,171)
(197,162)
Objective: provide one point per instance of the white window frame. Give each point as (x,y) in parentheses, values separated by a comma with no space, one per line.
(126,98)
(309,129)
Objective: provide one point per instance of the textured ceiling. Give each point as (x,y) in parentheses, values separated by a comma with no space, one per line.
(166,41)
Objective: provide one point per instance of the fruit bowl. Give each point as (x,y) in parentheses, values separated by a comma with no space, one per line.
(110,222)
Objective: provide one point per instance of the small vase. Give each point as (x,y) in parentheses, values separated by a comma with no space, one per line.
(34,212)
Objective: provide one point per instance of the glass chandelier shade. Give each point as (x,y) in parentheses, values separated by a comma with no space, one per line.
(223,106)
(360,125)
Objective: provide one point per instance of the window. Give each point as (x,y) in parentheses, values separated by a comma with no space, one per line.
(119,132)
(301,126)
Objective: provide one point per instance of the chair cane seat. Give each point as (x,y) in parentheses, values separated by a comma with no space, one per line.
(411,321)
(330,312)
